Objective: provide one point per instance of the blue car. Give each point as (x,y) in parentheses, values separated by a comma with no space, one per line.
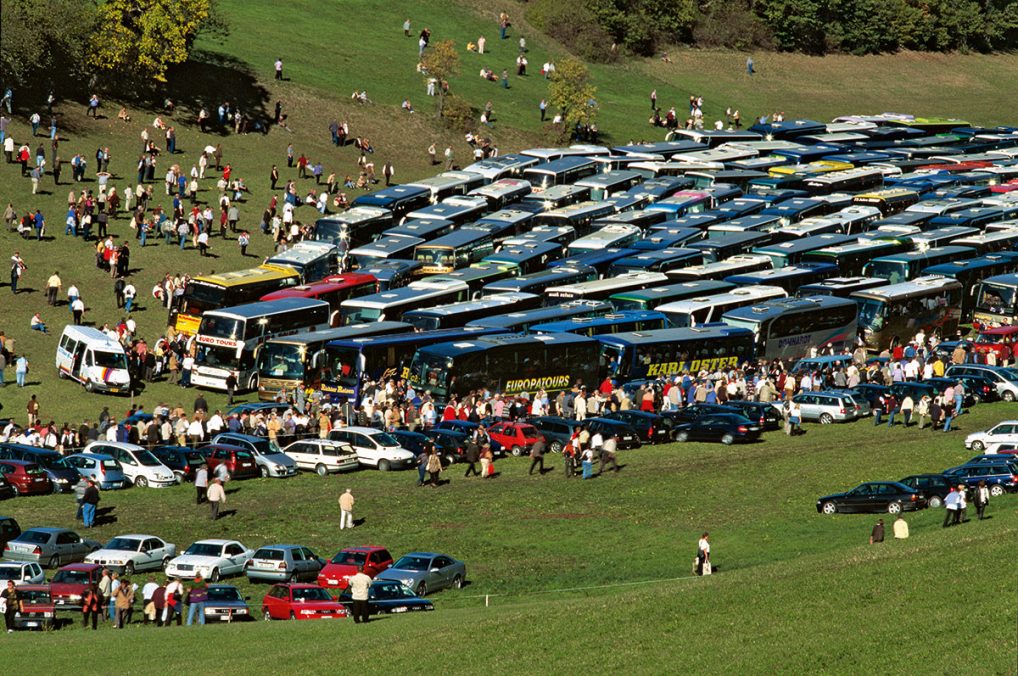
(1000,477)
(388,596)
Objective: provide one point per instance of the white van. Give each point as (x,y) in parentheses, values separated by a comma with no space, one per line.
(92,358)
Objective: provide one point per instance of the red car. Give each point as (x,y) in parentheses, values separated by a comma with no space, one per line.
(71,582)
(1003,340)
(240,463)
(344,565)
(37,611)
(27,478)
(516,438)
(291,601)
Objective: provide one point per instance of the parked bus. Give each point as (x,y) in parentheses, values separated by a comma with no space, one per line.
(563,171)
(391,273)
(226,289)
(660,260)
(723,246)
(610,183)
(649,299)
(399,200)
(333,290)
(503,225)
(997,301)
(751,223)
(578,216)
(851,258)
(991,241)
(842,287)
(312,260)
(459,210)
(929,239)
(972,271)
(529,257)
(849,180)
(393,303)
(230,339)
(503,166)
(794,251)
(520,322)
(537,282)
(382,249)
(897,312)
(670,352)
(610,236)
(358,225)
(719,270)
(788,328)
(298,360)
(600,260)
(615,322)
(601,289)
(555,197)
(707,309)
(788,278)
(449,184)
(557,234)
(510,364)
(503,192)
(350,363)
(425,229)
(456,250)
(908,265)
(674,238)
(889,201)
(455,315)
(478,275)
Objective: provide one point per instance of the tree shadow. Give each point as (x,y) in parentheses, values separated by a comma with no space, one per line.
(210,78)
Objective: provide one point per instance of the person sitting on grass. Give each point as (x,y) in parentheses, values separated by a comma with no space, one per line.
(122,115)
(38,324)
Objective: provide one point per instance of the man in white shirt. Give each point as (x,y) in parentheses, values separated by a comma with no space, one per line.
(148,608)
(215,423)
(360,585)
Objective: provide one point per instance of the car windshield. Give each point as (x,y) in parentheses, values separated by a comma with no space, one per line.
(204,549)
(51,462)
(147,459)
(122,544)
(1008,373)
(110,360)
(385,439)
(349,558)
(34,469)
(110,464)
(307,594)
(223,594)
(8,572)
(270,554)
(33,536)
(417,563)
(71,577)
(34,595)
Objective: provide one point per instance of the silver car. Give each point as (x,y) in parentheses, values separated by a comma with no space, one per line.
(826,407)
(102,469)
(425,572)
(50,547)
(21,573)
(284,563)
(271,461)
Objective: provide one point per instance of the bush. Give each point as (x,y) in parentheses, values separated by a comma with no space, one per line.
(458,114)
(574,26)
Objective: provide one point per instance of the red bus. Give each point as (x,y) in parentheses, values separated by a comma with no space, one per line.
(333,289)
(956,167)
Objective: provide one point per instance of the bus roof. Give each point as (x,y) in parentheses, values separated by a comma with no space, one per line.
(358,214)
(610,319)
(456,239)
(986,261)
(945,251)
(775,307)
(745,293)
(636,277)
(327,285)
(496,300)
(459,348)
(302,253)
(423,337)
(919,285)
(657,336)
(261,308)
(238,277)
(537,315)
(693,288)
(351,331)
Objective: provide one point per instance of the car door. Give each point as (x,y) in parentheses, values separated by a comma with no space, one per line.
(65,546)
(313,563)
(299,562)
(235,555)
(884,496)
(156,551)
(443,576)
(276,602)
(857,499)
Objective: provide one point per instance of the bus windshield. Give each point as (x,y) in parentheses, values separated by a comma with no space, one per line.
(199,297)
(343,365)
(997,299)
(217,356)
(893,271)
(434,370)
(435,256)
(280,360)
(222,327)
(871,314)
(360,315)
(110,360)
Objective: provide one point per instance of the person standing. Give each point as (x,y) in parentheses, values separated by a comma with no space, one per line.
(472,455)
(18,268)
(279,69)
(346,501)
(33,411)
(877,535)
(434,466)
(963,505)
(907,405)
(608,453)
(487,469)
(148,607)
(201,483)
(703,565)
(196,599)
(90,604)
(569,456)
(89,502)
(174,594)
(951,508)
(79,496)
(537,457)
(12,605)
(21,370)
(900,528)
(749,65)
(360,586)
(422,466)
(216,496)
(123,600)
(388,172)
(543,107)
(588,463)
(53,285)
(982,498)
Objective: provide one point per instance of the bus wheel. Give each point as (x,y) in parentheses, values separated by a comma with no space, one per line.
(252,384)
(89,387)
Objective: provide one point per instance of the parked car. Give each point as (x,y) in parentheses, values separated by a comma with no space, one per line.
(1005,432)
(873,497)
(6,489)
(183,461)
(212,559)
(37,610)
(651,427)
(69,584)
(827,407)
(239,462)
(61,475)
(870,393)
(763,413)
(386,596)
(450,444)
(628,437)
(100,468)
(50,547)
(415,442)
(556,430)
(126,554)
(343,565)
(9,529)
(467,428)
(225,604)
(425,572)
(1000,477)
(284,563)
(138,464)
(724,427)
(691,413)
(271,461)
(976,389)
(1003,378)
(293,601)
(27,478)
(21,573)
(323,456)
(375,448)
(519,438)
(934,486)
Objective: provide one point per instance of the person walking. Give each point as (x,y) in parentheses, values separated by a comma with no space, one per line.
(196,599)
(89,502)
(877,534)
(963,505)
(123,601)
(923,410)
(90,604)
(951,501)
(148,607)
(53,285)
(201,483)
(216,497)
(588,463)
(900,528)
(18,268)
(982,498)
(608,453)
(703,564)
(21,370)
(279,69)
(569,455)
(471,456)
(907,405)
(422,466)
(487,462)
(537,457)
(79,496)
(12,605)
(434,466)
(174,597)
(346,510)
(360,585)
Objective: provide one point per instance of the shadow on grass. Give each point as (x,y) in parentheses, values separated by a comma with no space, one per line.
(209,79)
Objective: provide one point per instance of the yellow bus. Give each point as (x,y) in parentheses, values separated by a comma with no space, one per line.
(811,169)
(216,291)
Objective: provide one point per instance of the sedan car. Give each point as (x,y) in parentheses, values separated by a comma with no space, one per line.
(182,460)
(694,411)
(270,460)
(100,468)
(69,584)
(129,553)
(1003,432)
(387,596)
(652,428)
(323,456)
(284,562)
(934,486)
(225,604)
(873,497)
(27,478)
(725,427)
(61,475)
(212,559)
(450,444)
(344,564)
(37,610)
(290,601)
(239,462)
(51,547)
(425,572)
(762,413)
(21,573)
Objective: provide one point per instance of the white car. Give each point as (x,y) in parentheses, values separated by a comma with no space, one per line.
(375,448)
(323,455)
(212,559)
(1002,433)
(21,573)
(139,465)
(129,553)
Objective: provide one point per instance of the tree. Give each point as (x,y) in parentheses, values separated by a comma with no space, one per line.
(41,38)
(571,92)
(143,38)
(441,62)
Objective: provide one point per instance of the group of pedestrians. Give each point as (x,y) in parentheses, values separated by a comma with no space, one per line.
(113,599)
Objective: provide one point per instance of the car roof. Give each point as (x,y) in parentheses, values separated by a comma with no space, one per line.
(281,547)
(137,536)
(48,529)
(363,548)
(91,455)
(22,463)
(81,566)
(431,554)
(362,430)
(20,564)
(214,541)
(298,585)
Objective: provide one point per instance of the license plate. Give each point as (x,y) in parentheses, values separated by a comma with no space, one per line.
(37,479)
(325,617)
(31,624)
(333,581)
(114,390)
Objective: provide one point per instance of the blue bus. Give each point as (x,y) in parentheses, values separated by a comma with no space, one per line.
(793,251)
(648,299)
(660,260)
(615,322)
(520,322)
(971,273)
(669,352)
(909,265)
(537,282)
(788,278)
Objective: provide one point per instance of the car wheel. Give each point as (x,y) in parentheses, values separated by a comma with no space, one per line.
(457,582)
(1008,396)
(266,615)
(264,472)
(422,589)
(166,562)
(294,577)
(682,436)
(383,466)
(141,482)
(89,387)
(180,476)
(517,451)
(996,491)
(978,446)
(292,616)
(894,508)
(826,419)
(321,469)
(727,439)
(129,569)
(935,502)
(54,561)
(829,508)
(14,487)
(555,447)
(450,460)
(214,576)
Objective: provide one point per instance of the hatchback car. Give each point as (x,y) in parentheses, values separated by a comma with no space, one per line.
(727,428)
(290,601)
(225,604)
(37,610)
(375,448)
(763,413)
(21,573)
(652,428)
(239,462)
(323,456)
(27,478)
(556,430)
(182,461)
(61,475)
(827,407)
(212,559)
(129,553)
(873,497)
(50,547)
(425,572)
(519,438)
(69,584)
(934,486)
(1003,378)
(1000,477)
(271,461)
(284,563)
(343,565)
(387,596)
(100,468)
(1005,432)
(139,465)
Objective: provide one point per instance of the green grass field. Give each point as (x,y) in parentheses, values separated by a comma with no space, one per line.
(796,592)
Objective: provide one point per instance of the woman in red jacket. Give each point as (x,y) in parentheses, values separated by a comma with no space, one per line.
(90,605)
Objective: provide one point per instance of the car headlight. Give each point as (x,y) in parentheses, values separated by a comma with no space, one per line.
(75,597)
(242,611)
(61,481)
(47,614)
(307,612)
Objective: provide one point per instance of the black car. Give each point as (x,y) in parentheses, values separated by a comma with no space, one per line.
(556,430)
(9,529)
(934,486)
(451,444)
(387,596)
(6,490)
(627,434)
(691,413)
(763,413)
(1000,477)
(182,460)
(873,497)
(652,428)
(724,427)
(415,442)
(871,392)
(977,389)
(916,390)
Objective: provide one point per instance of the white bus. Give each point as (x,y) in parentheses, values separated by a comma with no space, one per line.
(786,328)
(706,309)
(230,339)
(391,304)
(601,289)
